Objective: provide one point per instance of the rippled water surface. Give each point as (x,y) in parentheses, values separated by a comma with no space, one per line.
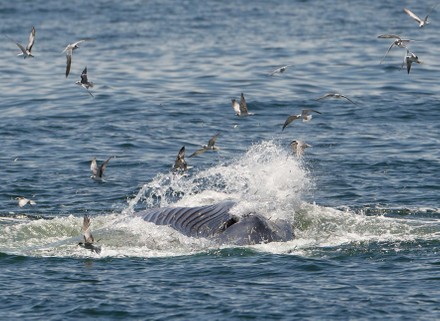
(364,198)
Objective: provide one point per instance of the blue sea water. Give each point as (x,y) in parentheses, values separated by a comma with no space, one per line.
(364,198)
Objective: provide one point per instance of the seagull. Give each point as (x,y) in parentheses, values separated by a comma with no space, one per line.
(240,108)
(210,146)
(22,201)
(421,22)
(305,115)
(26,52)
(279,70)
(335,95)
(409,59)
(180,163)
(69,51)
(98,171)
(84,81)
(399,42)
(298,147)
(88,237)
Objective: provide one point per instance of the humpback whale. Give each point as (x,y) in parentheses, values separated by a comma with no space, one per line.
(215,222)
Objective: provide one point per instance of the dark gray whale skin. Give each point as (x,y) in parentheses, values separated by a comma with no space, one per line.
(217,223)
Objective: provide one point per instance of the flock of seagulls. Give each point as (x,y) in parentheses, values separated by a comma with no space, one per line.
(410,57)
(240,108)
(27,52)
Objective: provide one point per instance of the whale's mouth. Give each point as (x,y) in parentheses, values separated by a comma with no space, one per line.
(229,223)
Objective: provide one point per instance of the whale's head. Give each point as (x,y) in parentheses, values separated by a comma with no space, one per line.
(256,229)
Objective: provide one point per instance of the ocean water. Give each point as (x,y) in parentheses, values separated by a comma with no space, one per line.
(364,198)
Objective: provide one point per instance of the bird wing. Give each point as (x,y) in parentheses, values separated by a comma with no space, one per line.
(323,97)
(77,43)
(387,52)
(430,11)
(306,112)
(88,237)
(90,93)
(94,167)
(23,49)
(31,40)
(180,162)
(348,99)
(408,65)
(290,119)
(236,107)
(68,63)
(22,201)
(65,49)
(212,141)
(412,15)
(273,72)
(84,76)
(198,152)
(243,105)
(387,36)
(104,165)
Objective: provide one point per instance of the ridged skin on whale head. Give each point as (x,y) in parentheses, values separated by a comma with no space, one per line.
(217,223)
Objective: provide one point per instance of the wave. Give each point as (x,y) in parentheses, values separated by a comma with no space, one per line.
(266,179)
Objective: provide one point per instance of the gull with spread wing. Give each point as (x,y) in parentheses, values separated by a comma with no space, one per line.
(279,70)
(410,57)
(305,115)
(398,41)
(26,52)
(85,83)
(210,146)
(240,108)
(298,147)
(421,22)
(23,201)
(69,51)
(98,171)
(335,95)
(180,163)
(88,237)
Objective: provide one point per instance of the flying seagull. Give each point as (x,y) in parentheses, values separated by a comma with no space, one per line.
(22,201)
(88,237)
(69,51)
(26,52)
(279,70)
(98,171)
(84,81)
(298,147)
(399,42)
(210,146)
(410,57)
(421,22)
(240,108)
(180,163)
(305,115)
(335,95)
